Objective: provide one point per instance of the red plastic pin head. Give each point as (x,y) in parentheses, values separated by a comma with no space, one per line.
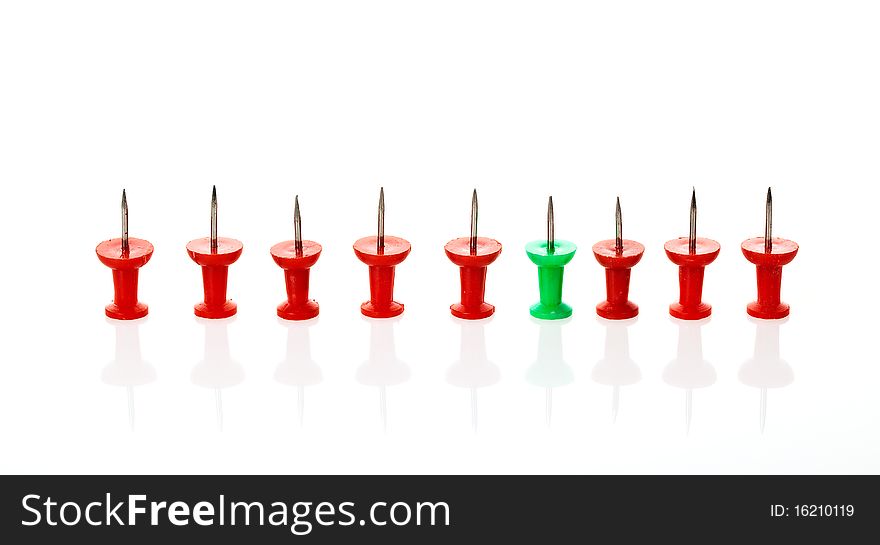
(296,257)
(618,256)
(125,256)
(769,255)
(473,255)
(215,254)
(692,254)
(381,254)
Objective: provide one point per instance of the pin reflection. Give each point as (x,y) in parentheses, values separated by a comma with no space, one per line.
(766,369)
(383,368)
(128,368)
(217,370)
(473,370)
(298,369)
(689,370)
(549,370)
(617,368)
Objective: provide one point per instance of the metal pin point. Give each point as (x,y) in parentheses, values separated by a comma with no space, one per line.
(214,220)
(297,228)
(125,246)
(768,223)
(692,239)
(618,228)
(380,241)
(475,208)
(551,227)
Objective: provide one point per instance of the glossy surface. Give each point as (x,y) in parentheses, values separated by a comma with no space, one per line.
(473,268)
(618,266)
(296,267)
(125,265)
(768,269)
(691,270)
(550,274)
(215,273)
(382,265)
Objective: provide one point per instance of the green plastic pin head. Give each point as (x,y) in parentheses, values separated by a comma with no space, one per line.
(551,256)
(550,269)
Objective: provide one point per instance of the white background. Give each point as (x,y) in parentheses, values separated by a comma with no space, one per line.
(582,100)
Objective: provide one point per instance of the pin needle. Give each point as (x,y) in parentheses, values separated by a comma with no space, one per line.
(214,220)
(297,228)
(551,227)
(125,247)
(618,228)
(475,208)
(380,241)
(768,223)
(692,239)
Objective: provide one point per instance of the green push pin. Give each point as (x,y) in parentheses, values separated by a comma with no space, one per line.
(551,256)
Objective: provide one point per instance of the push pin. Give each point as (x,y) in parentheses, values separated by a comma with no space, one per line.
(125,256)
(473,255)
(769,255)
(551,257)
(381,253)
(296,257)
(618,256)
(215,254)
(692,255)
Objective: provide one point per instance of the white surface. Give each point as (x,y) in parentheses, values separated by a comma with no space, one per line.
(640,99)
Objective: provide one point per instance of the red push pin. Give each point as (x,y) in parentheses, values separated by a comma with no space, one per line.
(473,255)
(125,256)
(296,257)
(692,255)
(381,254)
(769,255)
(215,254)
(618,256)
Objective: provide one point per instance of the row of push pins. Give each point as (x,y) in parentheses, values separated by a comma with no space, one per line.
(472,254)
